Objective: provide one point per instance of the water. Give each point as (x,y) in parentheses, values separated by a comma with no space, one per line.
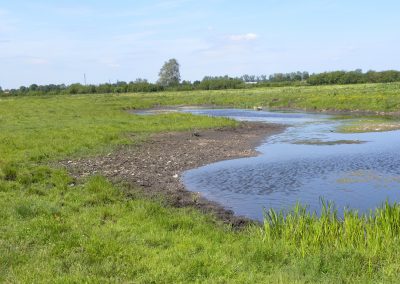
(307,162)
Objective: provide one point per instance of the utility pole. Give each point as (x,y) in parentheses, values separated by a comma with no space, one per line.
(84,78)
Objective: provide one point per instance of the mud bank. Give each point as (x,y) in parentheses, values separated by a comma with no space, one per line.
(154,168)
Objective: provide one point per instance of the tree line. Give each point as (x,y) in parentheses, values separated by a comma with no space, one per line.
(169,80)
(208,83)
(354,77)
(277,77)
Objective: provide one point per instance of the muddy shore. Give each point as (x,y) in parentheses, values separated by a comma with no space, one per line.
(154,167)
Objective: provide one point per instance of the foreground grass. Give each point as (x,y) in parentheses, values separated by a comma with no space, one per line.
(54,230)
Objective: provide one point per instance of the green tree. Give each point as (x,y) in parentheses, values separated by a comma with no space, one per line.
(169,74)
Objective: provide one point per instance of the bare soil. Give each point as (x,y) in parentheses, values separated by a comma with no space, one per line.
(154,167)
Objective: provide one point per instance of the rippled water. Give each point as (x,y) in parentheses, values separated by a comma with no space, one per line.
(306,162)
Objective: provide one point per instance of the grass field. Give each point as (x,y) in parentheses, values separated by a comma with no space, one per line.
(363,98)
(56,230)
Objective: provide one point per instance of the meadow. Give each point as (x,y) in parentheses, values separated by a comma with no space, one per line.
(57,229)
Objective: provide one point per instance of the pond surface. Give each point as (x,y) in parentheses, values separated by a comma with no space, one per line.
(307,162)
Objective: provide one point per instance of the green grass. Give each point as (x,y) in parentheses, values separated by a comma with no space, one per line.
(371,124)
(364,97)
(54,230)
(371,236)
(38,129)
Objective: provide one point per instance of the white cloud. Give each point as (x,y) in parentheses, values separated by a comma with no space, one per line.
(37,61)
(243,37)
(109,62)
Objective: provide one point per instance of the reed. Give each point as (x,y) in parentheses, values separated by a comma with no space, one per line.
(373,232)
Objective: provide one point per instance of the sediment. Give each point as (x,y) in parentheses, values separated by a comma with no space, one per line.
(153,168)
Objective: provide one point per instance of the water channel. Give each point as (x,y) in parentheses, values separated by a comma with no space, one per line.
(310,160)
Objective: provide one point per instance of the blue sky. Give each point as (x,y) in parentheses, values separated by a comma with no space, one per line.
(58,41)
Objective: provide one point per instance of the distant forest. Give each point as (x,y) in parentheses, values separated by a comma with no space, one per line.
(214,83)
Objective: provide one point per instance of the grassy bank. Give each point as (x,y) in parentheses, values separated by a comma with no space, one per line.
(362,98)
(56,230)
(371,124)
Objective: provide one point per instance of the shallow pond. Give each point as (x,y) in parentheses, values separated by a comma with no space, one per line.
(307,162)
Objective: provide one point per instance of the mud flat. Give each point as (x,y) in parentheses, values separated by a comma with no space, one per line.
(154,167)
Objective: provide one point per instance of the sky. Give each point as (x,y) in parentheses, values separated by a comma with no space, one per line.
(59,41)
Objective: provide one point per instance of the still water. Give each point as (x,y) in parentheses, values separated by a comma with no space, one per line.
(307,162)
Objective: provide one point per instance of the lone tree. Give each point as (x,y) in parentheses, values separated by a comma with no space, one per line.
(169,74)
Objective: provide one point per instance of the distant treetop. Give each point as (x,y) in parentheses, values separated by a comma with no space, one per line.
(169,74)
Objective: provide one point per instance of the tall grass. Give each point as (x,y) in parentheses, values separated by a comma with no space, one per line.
(308,231)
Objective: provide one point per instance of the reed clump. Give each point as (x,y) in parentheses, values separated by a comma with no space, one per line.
(374,232)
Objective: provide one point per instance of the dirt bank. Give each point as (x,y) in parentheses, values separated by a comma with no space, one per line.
(154,168)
